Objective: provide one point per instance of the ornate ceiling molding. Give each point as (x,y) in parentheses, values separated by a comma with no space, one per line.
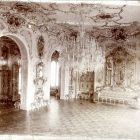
(116,33)
(64,21)
(129,46)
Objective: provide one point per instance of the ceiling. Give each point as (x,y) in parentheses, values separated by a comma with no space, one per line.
(93,14)
(100,15)
(70,16)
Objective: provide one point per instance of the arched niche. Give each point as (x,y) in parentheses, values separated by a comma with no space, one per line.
(21,43)
(55,75)
(51,49)
(9,70)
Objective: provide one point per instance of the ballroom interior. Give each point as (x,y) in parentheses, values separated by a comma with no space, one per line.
(70,69)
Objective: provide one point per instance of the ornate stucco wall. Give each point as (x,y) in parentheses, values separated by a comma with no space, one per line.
(25,24)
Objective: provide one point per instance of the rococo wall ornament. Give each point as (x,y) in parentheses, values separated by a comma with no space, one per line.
(39,82)
(14,20)
(40,46)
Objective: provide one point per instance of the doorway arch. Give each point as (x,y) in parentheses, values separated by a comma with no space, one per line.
(22,45)
(55,75)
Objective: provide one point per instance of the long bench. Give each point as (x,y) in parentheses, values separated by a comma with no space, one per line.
(113,96)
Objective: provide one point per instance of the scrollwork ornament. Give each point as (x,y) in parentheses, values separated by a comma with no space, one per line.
(40,46)
(12,29)
(39,82)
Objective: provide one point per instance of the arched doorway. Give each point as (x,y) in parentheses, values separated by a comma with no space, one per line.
(15,58)
(10,75)
(55,75)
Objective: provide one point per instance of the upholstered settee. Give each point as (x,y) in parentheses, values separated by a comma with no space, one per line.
(117,95)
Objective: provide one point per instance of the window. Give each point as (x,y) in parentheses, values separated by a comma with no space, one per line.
(54,74)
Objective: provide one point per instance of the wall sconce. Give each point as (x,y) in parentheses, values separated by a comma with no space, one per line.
(3,61)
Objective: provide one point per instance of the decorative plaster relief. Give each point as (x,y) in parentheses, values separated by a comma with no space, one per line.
(120,68)
(13,20)
(40,46)
(114,33)
(39,82)
(46,18)
(129,45)
(22,7)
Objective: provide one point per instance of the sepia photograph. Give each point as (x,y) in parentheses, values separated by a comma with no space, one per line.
(69,70)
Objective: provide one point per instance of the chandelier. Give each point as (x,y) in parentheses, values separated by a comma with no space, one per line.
(83,52)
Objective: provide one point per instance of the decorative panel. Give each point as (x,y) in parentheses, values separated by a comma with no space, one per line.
(5,84)
(86,82)
(120,68)
(15,81)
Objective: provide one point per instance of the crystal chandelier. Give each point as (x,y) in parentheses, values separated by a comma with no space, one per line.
(82,52)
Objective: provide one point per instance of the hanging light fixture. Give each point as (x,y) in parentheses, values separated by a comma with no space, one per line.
(82,52)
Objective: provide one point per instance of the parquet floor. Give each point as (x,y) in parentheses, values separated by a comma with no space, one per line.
(73,119)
